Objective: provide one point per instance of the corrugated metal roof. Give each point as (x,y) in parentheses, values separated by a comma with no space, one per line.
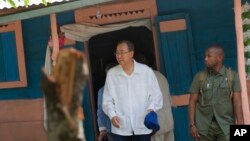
(21,3)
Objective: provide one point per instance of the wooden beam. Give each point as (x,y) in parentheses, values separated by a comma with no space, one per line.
(117,12)
(241,60)
(54,36)
(180,100)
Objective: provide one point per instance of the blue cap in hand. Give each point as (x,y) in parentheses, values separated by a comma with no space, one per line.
(151,121)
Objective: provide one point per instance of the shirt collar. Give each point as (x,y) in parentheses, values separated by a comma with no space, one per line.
(136,69)
(222,71)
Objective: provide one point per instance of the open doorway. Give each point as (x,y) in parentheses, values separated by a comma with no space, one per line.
(102,48)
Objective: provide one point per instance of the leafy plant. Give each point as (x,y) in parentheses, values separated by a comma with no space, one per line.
(26,2)
(44,2)
(11,2)
(246,34)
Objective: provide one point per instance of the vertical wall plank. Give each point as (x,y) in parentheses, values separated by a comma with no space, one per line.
(241,60)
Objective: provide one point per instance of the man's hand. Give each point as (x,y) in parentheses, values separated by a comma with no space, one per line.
(102,135)
(115,121)
(194,132)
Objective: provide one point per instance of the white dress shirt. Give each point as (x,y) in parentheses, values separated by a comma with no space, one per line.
(129,97)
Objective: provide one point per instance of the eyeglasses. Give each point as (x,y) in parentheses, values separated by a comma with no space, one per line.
(121,53)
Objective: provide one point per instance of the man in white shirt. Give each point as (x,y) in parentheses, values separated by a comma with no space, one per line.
(131,91)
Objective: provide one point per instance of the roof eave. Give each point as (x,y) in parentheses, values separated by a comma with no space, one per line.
(48,10)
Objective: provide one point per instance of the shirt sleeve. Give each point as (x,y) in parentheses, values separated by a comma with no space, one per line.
(155,95)
(236,86)
(194,88)
(108,104)
(100,114)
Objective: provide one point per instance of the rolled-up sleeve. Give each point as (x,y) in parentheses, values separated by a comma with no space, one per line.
(236,83)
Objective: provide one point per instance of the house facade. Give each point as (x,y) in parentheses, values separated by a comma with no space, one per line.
(174,37)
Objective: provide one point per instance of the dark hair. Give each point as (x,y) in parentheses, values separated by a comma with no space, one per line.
(130,45)
(218,49)
(141,58)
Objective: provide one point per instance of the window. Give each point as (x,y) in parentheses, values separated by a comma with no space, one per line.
(12,64)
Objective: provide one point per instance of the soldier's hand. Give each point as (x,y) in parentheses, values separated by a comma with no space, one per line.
(115,121)
(194,132)
(102,135)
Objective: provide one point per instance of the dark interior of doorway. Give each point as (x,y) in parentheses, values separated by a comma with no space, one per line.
(102,48)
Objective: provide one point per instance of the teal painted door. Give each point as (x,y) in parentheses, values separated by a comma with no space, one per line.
(177,63)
